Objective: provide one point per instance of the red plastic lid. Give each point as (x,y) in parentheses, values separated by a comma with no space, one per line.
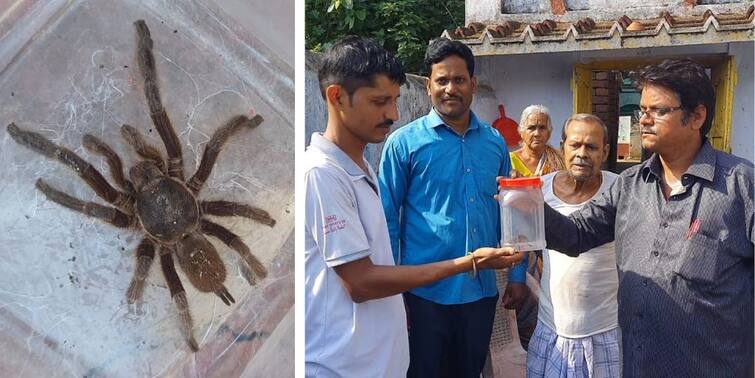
(519,182)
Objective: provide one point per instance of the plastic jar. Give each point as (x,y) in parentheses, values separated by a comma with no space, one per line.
(522,220)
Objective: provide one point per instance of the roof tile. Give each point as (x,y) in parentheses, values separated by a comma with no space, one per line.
(513,32)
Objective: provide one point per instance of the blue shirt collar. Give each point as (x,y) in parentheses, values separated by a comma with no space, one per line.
(434,120)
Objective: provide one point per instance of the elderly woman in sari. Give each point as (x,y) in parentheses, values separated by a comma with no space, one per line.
(536,157)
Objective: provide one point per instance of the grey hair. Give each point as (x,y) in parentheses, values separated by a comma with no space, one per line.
(586,117)
(534,109)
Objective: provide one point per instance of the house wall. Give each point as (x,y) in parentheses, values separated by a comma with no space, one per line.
(521,80)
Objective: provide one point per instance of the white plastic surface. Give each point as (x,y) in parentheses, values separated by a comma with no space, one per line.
(68,68)
(522,219)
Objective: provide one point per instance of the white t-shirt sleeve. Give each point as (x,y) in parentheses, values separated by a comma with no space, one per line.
(332,217)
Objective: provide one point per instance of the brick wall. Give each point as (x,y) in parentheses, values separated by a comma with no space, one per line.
(605,104)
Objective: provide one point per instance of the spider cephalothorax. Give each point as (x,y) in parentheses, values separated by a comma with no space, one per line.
(157,200)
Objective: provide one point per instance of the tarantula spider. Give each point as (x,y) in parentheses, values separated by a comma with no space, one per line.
(158,201)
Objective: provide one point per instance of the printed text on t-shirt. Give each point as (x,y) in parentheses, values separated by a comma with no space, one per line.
(332,224)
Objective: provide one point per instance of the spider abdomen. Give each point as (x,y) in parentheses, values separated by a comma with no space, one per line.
(201,263)
(167,209)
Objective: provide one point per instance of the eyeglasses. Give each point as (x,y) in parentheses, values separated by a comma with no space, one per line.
(655,113)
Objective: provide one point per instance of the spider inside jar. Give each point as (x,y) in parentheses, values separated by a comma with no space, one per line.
(157,200)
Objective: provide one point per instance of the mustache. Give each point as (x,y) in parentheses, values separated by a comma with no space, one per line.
(444,98)
(648,130)
(581,161)
(386,123)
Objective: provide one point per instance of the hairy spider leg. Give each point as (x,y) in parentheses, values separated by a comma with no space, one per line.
(146,63)
(178,294)
(141,147)
(145,254)
(108,214)
(234,242)
(215,145)
(230,209)
(95,145)
(86,171)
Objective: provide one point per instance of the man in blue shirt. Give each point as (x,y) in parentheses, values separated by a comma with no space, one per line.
(437,179)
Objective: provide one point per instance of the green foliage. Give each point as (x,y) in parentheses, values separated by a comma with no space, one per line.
(401,26)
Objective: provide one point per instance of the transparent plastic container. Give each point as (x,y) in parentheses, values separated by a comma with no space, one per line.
(522,221)
(68,68)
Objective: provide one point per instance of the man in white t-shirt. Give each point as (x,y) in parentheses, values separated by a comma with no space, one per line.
(355,317)
(577,333)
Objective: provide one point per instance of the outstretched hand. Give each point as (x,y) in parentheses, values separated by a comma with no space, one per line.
(497,258)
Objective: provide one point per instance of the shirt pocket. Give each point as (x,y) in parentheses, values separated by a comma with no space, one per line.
(700,260)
